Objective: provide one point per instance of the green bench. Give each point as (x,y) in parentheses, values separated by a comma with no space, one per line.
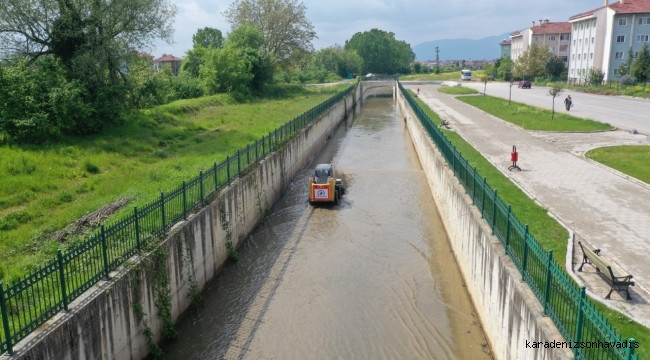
(619,278)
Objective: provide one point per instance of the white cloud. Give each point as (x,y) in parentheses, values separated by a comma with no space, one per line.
(414,21)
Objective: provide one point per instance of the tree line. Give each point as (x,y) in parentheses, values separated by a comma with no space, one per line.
(73,67)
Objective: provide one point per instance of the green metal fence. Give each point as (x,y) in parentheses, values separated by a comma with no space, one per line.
(27,304)
(564,302)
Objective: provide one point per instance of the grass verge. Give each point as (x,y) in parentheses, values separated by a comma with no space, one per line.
(531,117)
(453,75)
(457,90)
(631,160)
(45,188)
(550,234)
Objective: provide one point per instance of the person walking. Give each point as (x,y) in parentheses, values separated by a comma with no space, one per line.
(568,103)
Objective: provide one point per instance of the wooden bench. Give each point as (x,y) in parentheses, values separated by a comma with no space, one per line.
(619,278)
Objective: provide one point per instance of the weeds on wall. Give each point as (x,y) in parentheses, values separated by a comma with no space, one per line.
(225,225)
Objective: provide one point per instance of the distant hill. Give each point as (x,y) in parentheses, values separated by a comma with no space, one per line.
(461,49)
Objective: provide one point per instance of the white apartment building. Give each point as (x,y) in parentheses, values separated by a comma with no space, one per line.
(555,35)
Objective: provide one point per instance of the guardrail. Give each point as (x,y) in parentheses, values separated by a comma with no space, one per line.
(27,304)
(565,303)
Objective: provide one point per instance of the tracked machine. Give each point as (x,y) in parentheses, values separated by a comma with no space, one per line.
(324,186)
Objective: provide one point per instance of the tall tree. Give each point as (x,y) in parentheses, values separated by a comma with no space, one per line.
(204,39)
(555,66)
(626,67)
(208,38)
(381,52)
(532,61)
(641,65)
(285,30)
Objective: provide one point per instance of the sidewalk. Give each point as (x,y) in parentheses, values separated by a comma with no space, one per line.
(599,205)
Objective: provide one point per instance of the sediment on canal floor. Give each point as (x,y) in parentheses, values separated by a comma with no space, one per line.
(104,323)
(511,315)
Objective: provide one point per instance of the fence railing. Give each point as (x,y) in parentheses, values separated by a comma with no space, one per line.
(27,304)
(572,312)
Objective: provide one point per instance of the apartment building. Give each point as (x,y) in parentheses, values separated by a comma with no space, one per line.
(601,37)
(505,48)
(555,35)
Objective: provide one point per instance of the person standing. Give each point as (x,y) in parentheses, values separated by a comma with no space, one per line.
(568,103)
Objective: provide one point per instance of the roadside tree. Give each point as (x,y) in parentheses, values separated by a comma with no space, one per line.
(484,79)
(504,70)
(555,66)
(626,67)
(286,31)
(641,65)
(533,61)
(555,91)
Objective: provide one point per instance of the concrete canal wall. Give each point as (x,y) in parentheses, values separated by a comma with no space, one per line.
(509,311)
(105,324)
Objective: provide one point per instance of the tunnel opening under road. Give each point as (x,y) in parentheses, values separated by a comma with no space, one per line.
(372,277)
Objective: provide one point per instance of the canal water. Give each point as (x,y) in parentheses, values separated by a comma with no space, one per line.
(371,278)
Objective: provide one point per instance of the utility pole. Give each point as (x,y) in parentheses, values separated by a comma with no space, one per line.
(437,61)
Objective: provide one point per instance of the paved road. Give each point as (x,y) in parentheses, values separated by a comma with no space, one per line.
(623,112)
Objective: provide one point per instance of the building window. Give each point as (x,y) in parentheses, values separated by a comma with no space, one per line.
(591,56)
(564,58)
(578,56)
(622,22)
(615,71)
(636,54)
(574,42)
(584,56)
(593,39)
(582,26)
(586,25)
(551,38)
(618,55)
(538,38)
(580,42)
(575,27)
(551,49)
(620,39)
(564,48)
(593,22)
(642,38)
(644,21)
(565,37)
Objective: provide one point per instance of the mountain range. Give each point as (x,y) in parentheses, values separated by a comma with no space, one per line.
(461,49)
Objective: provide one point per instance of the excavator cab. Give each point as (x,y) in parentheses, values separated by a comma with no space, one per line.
(324,186)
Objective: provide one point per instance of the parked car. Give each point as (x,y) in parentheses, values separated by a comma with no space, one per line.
(524,84)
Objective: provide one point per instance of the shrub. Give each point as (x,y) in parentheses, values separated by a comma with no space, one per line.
(91,168)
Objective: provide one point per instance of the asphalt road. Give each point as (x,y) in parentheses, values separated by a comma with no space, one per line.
(623,112)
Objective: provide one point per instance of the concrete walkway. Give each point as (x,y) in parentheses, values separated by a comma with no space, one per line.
(601,206)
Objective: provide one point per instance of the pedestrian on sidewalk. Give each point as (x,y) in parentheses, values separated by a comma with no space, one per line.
(568,103)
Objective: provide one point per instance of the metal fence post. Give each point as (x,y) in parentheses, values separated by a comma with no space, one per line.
(494,211)
(248,154)
(508,230)
(184,201)
(631,342)
(201,185)
(64,291)
(474,186)
(238,163)
(137,227)
(162,208)
(525,260)
(5,319)
(581,315)
(105,252)
(256,146)
(228,168)
(483,200)
(216,183)
(263,146)
(547,289)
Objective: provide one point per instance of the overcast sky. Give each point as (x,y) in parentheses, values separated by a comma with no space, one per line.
(414,21)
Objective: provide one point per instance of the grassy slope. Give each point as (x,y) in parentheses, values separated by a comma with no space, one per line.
(550,234)
(44,188)
(457,90)
(630,160)
(533,118)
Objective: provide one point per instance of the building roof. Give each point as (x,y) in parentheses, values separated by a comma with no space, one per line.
(516,33)
(167,57)
(552,28)
(624,7)
(505,42)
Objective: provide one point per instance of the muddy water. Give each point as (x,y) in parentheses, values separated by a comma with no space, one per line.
(372,278)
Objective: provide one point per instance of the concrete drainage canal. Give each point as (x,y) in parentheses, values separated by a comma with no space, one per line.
(373,277)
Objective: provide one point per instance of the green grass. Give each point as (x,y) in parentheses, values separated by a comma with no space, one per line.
(45,188)
(457,90)
(548,232)
(533,118)
(630,160)
(454,75)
